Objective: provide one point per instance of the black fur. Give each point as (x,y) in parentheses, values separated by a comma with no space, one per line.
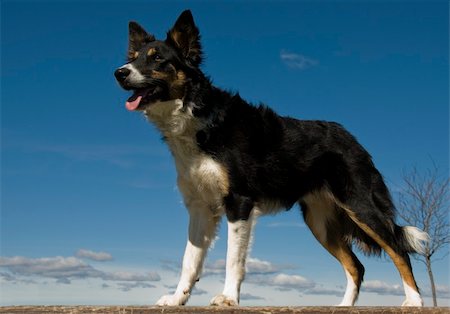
(270,158)
(283,159)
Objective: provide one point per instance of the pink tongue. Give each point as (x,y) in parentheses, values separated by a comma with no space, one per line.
(133,104)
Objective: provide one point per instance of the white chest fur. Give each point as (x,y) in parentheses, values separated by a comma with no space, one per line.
(202,180)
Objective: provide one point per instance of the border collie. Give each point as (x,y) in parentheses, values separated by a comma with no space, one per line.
(243,161)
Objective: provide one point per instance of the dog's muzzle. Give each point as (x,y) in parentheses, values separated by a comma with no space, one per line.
(144,90)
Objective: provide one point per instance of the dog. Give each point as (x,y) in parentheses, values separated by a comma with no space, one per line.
(241,161)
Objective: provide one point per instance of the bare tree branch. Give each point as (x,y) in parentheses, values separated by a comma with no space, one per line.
(424,202)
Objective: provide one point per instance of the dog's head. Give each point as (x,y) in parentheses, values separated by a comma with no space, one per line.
(160,70)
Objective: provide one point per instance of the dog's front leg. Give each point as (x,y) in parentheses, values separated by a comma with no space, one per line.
(239,236)
(202,230)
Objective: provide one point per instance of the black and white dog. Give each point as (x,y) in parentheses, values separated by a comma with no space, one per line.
(244,161)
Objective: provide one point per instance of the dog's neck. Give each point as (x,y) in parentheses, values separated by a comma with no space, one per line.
(176,123)
(170,117)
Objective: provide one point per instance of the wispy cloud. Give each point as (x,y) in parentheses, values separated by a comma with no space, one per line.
(254,266)
(297,61)
(442,291)
(248,296)
(257,266)
(283,282)
(216,267)
(7,277)
(320,290)
(198,291)
(266,275)
(95,256)
(382,288)
(59,268)
(118,155)
(65,269)
(127,286)
(195,290)
(171,265)
(131,276)
(259,272)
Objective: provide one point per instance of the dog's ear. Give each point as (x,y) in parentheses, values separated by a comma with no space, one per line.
(137,38)
(185,37)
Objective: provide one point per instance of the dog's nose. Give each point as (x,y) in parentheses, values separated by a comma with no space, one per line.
(121,74)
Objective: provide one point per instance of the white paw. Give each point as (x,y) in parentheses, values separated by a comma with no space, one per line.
(344,304)
(223,300)
(171,300)
(413,302)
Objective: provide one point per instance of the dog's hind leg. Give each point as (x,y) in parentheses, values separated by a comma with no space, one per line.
(359,190)
(321,216)
(395,241)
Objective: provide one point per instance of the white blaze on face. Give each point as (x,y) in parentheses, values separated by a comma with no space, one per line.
(135,76)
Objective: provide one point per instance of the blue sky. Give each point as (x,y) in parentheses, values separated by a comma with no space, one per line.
(90,212)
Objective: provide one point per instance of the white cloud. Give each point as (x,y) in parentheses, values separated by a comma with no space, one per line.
(214,268)
(292,281)
(127,286)
(325,291)
(282,281)
(248,296)
(266,282)
(257,266)
(382,288)
(195,290)
(297,61)
(64,281)
(443,291)
(254,266)
(7,277)
(51,267)
(128,276)
(172,266)
(95,256)
(104,286)
(65,269)
(259,272)
(198,291)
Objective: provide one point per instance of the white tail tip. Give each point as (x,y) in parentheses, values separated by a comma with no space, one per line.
(416,238)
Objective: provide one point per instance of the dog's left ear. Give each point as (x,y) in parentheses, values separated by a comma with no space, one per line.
(185,36)
(137,38)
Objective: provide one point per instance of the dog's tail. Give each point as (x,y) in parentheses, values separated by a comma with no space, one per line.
(412,239)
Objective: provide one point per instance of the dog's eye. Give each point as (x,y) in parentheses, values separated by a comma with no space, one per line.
(157,57)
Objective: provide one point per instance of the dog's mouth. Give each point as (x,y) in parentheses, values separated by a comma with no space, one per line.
(142,98)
